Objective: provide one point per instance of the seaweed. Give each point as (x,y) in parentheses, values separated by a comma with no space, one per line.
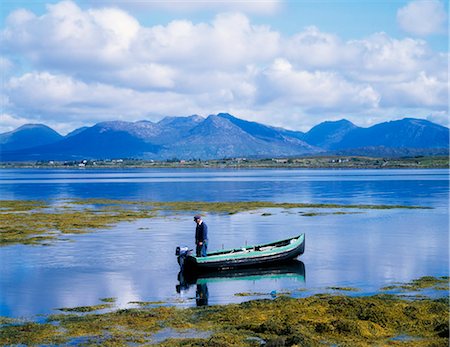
(32,222)
(283,321)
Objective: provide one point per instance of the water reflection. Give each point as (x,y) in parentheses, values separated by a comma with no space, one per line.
(322,186)
(294,269)
(365,249)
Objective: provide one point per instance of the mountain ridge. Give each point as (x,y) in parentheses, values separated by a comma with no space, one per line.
(28,135)
(222,136)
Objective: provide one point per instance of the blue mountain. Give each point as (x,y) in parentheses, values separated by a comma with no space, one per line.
(225,136)
(219,136)
(257,130)
(27,136)
(104,140)
(404,133)
(329,134)
(76,131)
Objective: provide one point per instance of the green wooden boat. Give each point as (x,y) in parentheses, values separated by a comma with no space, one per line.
(249,256)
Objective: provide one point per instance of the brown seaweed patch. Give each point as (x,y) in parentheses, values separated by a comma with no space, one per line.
(41,226)
(35,222)
(147,303)
(85,308)
(344,289)
(30,334)
(313,214)
(426,282)
(21,205)
(250,294)
(108,299)
(313,321)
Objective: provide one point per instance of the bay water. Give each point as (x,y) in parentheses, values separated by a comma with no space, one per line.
(364,249)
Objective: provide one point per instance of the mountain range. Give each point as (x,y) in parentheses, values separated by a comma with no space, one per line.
(221,136)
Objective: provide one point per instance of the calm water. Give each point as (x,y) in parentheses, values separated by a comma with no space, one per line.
(135,261)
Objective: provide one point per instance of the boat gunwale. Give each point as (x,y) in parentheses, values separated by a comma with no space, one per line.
(250,253)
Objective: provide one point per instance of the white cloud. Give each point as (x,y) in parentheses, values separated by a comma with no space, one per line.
(6,66)
(389,58)
(423,91)
(62,96)
(265,7)
(313,48)
(142,76)
(99,64)
(229,41)
(423,17)
(316,90)
(439,117)
(10,122)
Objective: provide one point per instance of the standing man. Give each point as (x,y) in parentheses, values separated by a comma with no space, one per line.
(201,236)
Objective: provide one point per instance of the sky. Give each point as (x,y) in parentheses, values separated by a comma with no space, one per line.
(290,64)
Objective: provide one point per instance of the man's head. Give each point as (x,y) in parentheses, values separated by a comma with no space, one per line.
(197,219)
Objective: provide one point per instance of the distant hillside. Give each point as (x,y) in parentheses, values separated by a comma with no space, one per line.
(99,141)
(405,133)
(27,136)
(221,136)
(329,135)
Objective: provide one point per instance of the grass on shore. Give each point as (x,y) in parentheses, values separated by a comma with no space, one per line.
(308,162)
(38,222)
(319,320)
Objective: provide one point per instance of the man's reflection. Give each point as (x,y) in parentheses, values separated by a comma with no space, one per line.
(201,294)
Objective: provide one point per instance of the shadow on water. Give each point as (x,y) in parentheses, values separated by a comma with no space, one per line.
(294,269)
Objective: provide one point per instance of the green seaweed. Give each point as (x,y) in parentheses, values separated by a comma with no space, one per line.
(437,283)
(249,294)
(147,303)
(85,308)
(313,321)
(108,299)
(37,223)
(344,289)
(29,225)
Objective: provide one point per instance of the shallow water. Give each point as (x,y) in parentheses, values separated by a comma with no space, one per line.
(136,262)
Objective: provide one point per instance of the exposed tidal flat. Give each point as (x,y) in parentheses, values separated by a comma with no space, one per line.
(38,222)
(318,320)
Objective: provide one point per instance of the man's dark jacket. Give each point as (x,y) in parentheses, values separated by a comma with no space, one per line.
(201,233)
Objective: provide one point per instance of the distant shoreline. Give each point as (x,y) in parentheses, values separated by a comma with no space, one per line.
(318,162)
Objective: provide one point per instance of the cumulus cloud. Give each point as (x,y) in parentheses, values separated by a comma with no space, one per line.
(423,17)
(53,94)
(424,91)
(68,38)
(312,48)
(439,117)
(10,122)
(6,66)
(265,7)
(101,63)
(229,41)
(314,90)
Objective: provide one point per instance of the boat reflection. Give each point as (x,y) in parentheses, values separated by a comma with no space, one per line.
(294,269)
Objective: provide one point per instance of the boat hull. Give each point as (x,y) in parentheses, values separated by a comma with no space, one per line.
(263,255)
(291,268)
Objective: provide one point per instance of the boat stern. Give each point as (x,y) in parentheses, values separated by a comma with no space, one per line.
(184,256)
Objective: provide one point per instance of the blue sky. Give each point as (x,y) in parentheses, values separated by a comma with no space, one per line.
(284,63)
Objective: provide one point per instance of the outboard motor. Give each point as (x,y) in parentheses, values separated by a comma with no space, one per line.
(181,250)
(182,253)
